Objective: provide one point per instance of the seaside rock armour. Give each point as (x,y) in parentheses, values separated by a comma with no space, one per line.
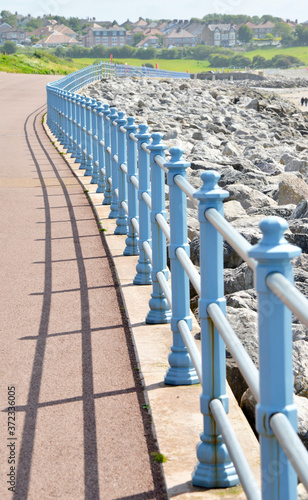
(258,142)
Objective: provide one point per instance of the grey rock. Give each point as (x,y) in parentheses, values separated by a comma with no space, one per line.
(301,211)
(292,190)
(238,279)
(296,165)
(249,197)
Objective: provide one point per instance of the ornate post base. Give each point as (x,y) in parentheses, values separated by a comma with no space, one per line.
(214,469)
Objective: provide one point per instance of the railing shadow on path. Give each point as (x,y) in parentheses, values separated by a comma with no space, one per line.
(88,397)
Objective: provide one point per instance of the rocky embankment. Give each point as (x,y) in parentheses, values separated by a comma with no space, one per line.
(258,142)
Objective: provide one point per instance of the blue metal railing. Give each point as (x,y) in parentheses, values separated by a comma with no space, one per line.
(129,167)
(122,70)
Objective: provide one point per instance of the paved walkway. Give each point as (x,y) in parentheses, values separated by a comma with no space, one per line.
(80,429)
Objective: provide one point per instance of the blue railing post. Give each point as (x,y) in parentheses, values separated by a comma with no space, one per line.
(159,308)
(74,126)
(143,268)
(83,131)
(181,371)
(89,104)
(114,165)
(94,179)
(214,468)
(132,237)
(107,142)
(70,148)
(62,117)
(100,148)
(78,129)
(121,222)
(273,254)
(65,142)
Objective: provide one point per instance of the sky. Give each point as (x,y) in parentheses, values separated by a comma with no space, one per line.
(121,10)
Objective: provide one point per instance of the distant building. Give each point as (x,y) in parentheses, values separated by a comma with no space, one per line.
(196,29)
(149,41)
(261,30)
(222,35)
(141,23)
(179,38)
(56,39)
(14,34)
(108,37)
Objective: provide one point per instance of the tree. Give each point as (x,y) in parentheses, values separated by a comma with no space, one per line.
(258,62)
(245,34)
(33,24)
(8,17)
(137,37)
(302,34)
(9,47)
(281,29)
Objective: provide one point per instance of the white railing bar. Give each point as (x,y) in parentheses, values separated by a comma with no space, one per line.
(163,224)
(135,225)
(125,207)
(110,180)
(144,147)
(115,157)
(132,137)
(148,250)
(103,171)
(289,295)
(123,167)
(108,149)
(102,143)
(189,269)
(236,240)
(165,287)
(237,455)
(134,181)
(191,347)
(147,199)
(244,362)
(123,129)
(116,192)
(159,160)
(187,188)
(291,445)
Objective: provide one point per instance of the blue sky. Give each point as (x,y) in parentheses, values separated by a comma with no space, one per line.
(158,9)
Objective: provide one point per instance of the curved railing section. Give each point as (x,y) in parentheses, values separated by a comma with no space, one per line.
(130,169)
(122,70)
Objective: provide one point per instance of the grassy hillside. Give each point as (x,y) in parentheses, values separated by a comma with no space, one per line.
(41,63)
(44,62)
(300,52)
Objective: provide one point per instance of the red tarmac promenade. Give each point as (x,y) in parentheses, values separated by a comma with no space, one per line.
(79,429)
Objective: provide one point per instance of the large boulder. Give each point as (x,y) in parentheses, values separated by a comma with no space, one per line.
(292,190)
(249,197)
(248,404)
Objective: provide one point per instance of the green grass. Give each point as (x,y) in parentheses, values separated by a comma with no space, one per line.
(26,62)
(300,52)
(194,66)
(47,64)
